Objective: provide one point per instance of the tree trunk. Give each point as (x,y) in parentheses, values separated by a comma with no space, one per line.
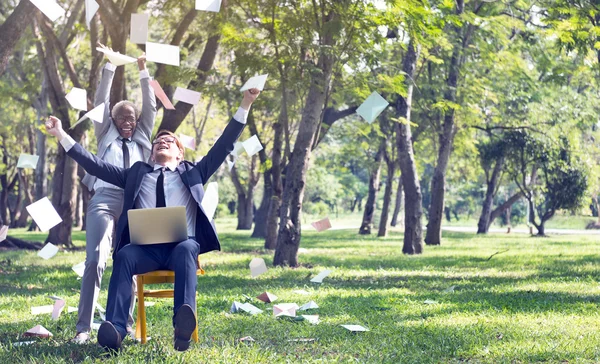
(398,205)
(505,206)
(387,198)
(260,219)
(492,185)
(371,204)
(288,240)
(13,28)
(245,204)
(413,209)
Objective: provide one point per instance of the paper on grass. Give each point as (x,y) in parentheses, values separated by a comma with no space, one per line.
(77,98)
(429,302)
(162,96)
(71,309)
(285,309)
(449,289)
(355,328)
(48,251)
(28,161)
(252,145)
(208,5)
(250,308)
(57,309)
(188,141)
(44,214)
(372,107)
(255,82)
(247,339)
(322,225)
(257,267)
(116,58)
(41,310)
(309,306)
(39,331)
(319,277)
(91,7)
(188,96)
(50,8)
(3,232)
(267,297)
(210,200)
(139,28)
(235,307)
(162,53)
(313,319)
(79,268)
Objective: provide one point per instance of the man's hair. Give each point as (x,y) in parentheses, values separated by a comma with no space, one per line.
(171,134)
(125,103)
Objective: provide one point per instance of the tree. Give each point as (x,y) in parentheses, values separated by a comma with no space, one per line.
(12,29)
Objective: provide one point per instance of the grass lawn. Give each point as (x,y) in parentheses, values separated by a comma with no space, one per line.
(538,301)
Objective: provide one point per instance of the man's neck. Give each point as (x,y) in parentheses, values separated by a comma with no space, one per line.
(172,164)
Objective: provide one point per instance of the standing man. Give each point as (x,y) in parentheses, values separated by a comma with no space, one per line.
(167,181)
(123,139)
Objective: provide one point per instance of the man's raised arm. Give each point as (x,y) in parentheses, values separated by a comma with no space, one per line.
(148,115)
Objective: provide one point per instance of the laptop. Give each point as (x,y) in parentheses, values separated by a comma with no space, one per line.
(157,226)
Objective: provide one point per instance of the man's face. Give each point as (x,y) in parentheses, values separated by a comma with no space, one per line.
(165,149)
(125,121)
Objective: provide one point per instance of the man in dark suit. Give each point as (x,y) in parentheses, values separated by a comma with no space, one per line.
(171,181)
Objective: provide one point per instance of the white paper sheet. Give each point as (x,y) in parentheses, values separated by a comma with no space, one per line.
(50,8)
(210,200)
(313,319)
(285,309)
(77,98)
(28,161)
(91,7)
(96,114)
(139,28)
(57,309)
(44,214)
(257,267)
(319,277)
(3,232)
(48,251)
(252,145)
(267,297)
(255,82)
(117,58)
(238,147)
(208,5)
(309,306)
(355,328)
(229,164)
(41,310)
(250,308)
(38,330)
(71,309)
(372,107)
(322,225)
(188,141)
(162,53)
(79,268)
(235,307)
(160,93)
(188,96)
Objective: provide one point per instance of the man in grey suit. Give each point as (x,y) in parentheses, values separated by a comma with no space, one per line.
(123,139)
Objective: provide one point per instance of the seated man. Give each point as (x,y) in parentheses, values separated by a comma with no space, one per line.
(171,181)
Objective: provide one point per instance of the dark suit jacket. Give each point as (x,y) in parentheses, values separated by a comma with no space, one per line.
(193,175)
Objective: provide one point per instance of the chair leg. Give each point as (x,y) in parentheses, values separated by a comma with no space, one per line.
(141,321)
(195,333)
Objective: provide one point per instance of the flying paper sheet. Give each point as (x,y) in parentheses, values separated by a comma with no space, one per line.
(160,93)
(210,200)
(188,141)
(27,161)
(95,325)
(208,5)
(44,214)
(50,8)
(79,268)
(229,164)
(355,328)
(40,310)
(91,7)
(250,308)
(252,145)
(238,147)
(39,331)
(319,277)
(309,306)
(48,251)
(188,96)
(116,58)
(257,267)
(267,297)
(372,107)
(162,53)
(322,225)
(96,114)
(77,97)
(255,82)
(285,309)
(139,28)
(57,309)
(313,319)
(3,232)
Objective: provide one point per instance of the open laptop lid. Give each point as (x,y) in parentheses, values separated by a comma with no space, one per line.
(157,226)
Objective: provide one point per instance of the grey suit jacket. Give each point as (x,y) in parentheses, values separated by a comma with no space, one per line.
(106,132)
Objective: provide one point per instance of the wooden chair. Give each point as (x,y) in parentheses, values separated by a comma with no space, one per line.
(157,276)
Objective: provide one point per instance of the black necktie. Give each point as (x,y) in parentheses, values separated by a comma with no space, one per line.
(160,189)
(125,153)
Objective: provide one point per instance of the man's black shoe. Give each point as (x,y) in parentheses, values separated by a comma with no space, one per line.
(185,324)
(108,336)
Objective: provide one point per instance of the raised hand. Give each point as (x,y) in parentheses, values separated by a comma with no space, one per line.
(141,61)
(249,97)
(54,126)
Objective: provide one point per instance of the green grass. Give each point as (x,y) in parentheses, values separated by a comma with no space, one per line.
(538,301)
